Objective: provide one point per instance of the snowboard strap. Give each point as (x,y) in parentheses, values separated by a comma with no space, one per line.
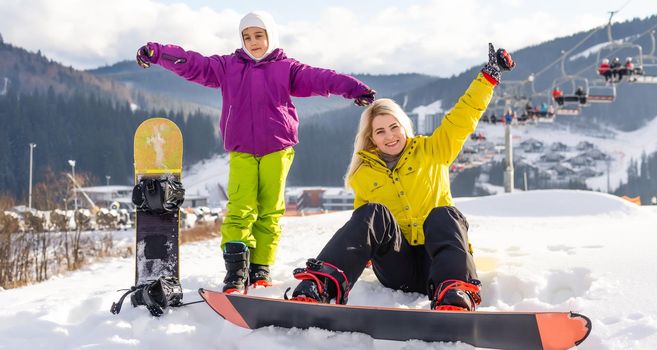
(321,270)
(158,195)
(156,295)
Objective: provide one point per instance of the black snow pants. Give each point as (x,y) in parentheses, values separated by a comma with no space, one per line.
(373,234)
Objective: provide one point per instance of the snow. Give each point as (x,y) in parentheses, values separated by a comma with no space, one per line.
(204,179)
(435,107)
(555,250)
(594,50)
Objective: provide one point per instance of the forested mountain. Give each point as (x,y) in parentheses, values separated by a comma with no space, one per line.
(93,131)
(27,72)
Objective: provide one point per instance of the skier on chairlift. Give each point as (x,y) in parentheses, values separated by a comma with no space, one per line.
(557,95)
(605,70)
(628,68)
(615,67)
(581,94)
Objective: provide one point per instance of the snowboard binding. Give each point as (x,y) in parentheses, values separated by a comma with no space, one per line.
(319,281)
(156,296)
(158,195)
(456,295)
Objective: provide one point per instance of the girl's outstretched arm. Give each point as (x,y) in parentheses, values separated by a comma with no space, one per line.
(311,81)
(207,71)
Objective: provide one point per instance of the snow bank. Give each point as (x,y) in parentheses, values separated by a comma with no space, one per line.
(542,204)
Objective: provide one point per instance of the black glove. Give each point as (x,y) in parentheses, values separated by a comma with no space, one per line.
(498,62)
(145,55)
(365,99)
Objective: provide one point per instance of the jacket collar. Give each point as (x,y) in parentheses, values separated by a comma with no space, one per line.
(372,158)
(276,55)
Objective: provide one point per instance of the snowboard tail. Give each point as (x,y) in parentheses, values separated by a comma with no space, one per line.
(504,330)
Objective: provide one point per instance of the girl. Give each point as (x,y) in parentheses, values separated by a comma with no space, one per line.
(405,221)
(259,127)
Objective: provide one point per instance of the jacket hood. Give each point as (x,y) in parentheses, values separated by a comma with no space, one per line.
(262,20)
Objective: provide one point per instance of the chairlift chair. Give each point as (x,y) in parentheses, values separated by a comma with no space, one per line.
(575,82)
(569,110)
(602,93)
(613,46)
(647,72)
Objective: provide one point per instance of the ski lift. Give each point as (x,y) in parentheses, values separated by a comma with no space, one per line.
(602,93)
(569,110)
(617,70)
(511,98)
(578,96)
(535,112)
(646,73)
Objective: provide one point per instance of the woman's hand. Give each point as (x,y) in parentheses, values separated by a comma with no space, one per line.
(498,62)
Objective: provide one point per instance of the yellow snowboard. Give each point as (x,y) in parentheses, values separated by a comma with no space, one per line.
(158,150)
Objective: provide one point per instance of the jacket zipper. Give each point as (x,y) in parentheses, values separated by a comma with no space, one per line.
(174,59)
(230,108)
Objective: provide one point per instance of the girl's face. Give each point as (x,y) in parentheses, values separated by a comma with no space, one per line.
(255,40)
(388,135)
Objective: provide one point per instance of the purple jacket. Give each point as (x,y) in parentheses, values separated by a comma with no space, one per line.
(258,115)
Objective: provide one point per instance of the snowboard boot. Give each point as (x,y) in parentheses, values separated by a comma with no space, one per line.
(456,295)
(259,276)
(236,258)
(320,282)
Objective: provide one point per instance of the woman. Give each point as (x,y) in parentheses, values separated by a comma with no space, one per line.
(405,221)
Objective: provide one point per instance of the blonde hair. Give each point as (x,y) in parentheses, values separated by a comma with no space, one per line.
(363,139)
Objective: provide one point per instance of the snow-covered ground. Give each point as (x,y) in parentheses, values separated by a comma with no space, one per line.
(542,250)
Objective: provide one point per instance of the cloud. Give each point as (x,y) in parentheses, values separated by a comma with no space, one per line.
(432,37)
(90,34)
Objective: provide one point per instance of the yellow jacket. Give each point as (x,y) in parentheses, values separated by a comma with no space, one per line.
(420,181)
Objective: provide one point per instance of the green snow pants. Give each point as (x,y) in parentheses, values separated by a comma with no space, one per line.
(256,202)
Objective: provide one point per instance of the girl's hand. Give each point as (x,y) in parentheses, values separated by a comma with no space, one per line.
(365,99)
(145,55)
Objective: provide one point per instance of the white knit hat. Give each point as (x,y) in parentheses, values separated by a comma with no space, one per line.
(262,20)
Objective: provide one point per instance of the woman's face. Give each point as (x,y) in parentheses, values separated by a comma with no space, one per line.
(255,40)
(388,135)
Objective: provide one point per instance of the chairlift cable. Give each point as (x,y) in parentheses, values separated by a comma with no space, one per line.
(566,53)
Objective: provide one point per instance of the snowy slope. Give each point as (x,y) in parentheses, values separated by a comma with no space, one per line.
(542,250)
(205,177)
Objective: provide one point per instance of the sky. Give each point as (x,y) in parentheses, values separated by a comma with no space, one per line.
(435,37)
(561,255)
